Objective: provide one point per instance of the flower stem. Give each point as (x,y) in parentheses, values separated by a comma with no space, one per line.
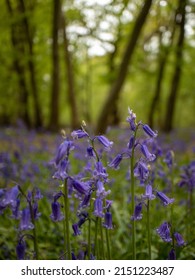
(108,243)
(148,229)
(36,250)
(102,241)
(89,238)
(133,200)
(66,221)
(96,238)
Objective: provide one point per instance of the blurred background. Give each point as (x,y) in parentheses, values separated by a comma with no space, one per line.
(64,61)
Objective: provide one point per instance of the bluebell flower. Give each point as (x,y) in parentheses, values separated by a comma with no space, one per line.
(164,232)
(100,171)
(101,192)
(131,142)
(98,208)
(149,131)
(90,152)
(148,193)
(16,213)
(172,255)
(188,177)
(57,196)
(131,119)
(166,200)
(116,161)
(146,153)
(20,249)
(63,150)
(83,217)
(56,215)
(141,171)
(80,187)
(108,220)
(85,202)
(77,134)
(38,194)
(169,159)
(137,212)
(108,204)
(105,142)
(36,213)
(25,222)
(61,173)
(179,239)
(29,196)
(11,197)
(76,229)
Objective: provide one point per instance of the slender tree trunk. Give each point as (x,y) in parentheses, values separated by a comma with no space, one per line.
(115,115)
(70,77)
(31,65)
(55,91)
(113,95)
(17,43)
(171,101)
(163,57)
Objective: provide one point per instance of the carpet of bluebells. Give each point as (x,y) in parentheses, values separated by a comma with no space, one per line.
(128,194)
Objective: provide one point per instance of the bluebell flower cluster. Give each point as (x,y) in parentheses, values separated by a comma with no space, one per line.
(140,147)
(188,177)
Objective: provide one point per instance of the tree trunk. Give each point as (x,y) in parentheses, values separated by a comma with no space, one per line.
(70,77)
(163,57)
(115,115)
(55,91)
(171,101)
(113,95)
(17,43)
(31,66)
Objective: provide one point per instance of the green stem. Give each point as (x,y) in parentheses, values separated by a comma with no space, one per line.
(133,200)
(89,239)
(102,240)
(96,238)
(148,228)
(108,243)
(66,221)
(35,241)
(36,250)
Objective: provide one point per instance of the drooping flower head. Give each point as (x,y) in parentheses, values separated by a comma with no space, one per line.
(148,193)
(131,119)
(169,159)
(77,134)
(149,131)
(76,229)
(56,215)
(20,249)
(179,239)
(137,212)
(25,222)
(147,154)
(172,255)
(98,207)
(141,171)
(108,220)
(164,232)
(116,161)
(105,142)
(165,200)
(11,197)
(63,150)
